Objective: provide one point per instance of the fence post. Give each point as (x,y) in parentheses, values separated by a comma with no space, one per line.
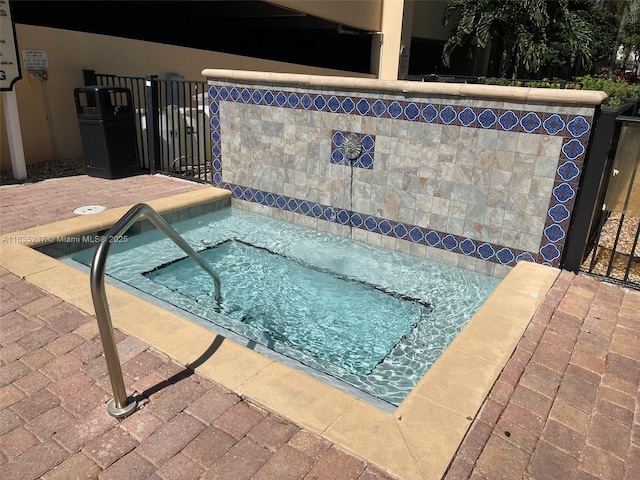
(152,113)
(90,77)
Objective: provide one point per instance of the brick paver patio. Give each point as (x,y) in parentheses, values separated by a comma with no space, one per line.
(28,205)
(566,406)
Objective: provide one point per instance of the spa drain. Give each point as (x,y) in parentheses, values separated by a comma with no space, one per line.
(89,209)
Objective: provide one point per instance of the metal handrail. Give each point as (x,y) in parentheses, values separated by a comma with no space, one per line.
(121,405)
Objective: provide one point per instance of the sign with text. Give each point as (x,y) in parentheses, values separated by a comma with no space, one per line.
(403,65)
(35,60)
(9,63)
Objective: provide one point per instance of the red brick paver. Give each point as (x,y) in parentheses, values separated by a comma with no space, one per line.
(574,412)
(28,205)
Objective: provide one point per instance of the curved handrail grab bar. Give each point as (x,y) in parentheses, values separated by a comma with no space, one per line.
(121,406)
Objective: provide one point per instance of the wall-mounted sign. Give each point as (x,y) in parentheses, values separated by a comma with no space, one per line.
(35,59)
(9,64)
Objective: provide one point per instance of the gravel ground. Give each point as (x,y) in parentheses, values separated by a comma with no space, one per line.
(623,258)
(42,171)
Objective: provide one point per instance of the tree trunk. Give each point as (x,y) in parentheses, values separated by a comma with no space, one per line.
(612,62)
(625,60)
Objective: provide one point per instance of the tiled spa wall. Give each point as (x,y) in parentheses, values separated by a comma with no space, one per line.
(475,183)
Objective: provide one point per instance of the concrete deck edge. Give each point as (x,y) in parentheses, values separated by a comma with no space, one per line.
(402,87)
(442,404)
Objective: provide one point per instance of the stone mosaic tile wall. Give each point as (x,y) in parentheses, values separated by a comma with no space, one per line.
(472,182)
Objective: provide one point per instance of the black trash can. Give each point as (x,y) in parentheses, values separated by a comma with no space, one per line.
(108,131)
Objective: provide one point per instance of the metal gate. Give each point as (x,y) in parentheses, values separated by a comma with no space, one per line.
(605,225)
(615,252)
(172,122)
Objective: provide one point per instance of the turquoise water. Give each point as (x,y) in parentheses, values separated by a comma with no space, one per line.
(369,317)
(347,323)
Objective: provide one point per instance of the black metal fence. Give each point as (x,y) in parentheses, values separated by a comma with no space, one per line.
(172,122)
(604,236)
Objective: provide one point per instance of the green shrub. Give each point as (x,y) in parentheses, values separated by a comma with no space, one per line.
(544,83)
(505,82)
(617,91)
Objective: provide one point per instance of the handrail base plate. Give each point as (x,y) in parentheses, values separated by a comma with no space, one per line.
(123,412)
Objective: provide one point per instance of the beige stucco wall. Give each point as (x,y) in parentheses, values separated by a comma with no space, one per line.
(363,14)
(71,52)
(427,20)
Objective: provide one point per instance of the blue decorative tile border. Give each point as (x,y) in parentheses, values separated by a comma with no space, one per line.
(524,121)
(574,129)
(371,223)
